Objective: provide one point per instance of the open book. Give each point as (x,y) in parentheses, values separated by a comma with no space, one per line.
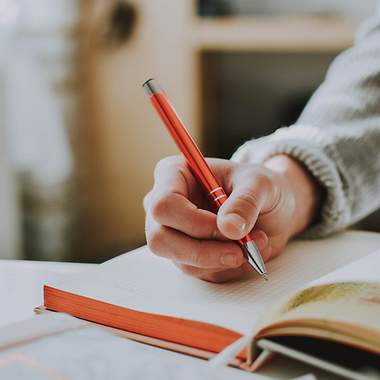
(152,301)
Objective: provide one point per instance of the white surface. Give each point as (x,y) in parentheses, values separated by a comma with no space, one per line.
(21,286)
(142,281)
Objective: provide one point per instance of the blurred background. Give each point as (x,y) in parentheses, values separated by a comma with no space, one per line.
(78,137)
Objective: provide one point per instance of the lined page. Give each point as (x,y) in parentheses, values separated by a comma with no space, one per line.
(144,282)
(365,269)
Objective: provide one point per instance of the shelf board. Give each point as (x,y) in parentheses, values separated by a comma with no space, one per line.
(273,33)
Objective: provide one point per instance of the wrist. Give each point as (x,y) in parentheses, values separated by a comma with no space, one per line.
(305,189)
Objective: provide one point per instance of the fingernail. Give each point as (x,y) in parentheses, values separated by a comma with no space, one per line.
(229,260)
(261,242)
(237,221)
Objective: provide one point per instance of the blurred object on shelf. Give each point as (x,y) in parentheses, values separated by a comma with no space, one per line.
(214,7)
(48,217)
(118,25)
(344,8)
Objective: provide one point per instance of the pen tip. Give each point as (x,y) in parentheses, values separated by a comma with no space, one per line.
(147,81)
(265,277)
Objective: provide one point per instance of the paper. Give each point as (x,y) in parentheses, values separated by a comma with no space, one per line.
(144,282)
(366,269)
(350,294)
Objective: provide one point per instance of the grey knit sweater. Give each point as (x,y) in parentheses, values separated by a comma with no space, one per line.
(337,137)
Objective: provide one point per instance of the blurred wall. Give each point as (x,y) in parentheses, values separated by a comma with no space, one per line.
(10,233)
(119,137)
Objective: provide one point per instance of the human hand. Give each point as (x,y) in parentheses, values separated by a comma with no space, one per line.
(274,202)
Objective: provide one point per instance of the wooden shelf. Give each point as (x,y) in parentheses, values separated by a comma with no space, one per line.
(273,33)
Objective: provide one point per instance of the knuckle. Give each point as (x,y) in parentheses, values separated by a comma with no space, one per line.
(246,200)
(200,229)
(188,270)
(155,240)
(205,255)
(193,229)
(196,258)
(215,234)
(161,206)
(214,277)
(264,182)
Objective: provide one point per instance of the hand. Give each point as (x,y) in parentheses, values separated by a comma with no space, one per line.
(274,202)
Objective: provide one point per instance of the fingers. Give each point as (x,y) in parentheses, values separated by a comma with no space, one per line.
(252,194)
(169,201)
(174,245)
(216,275)
(268,249)
(203,254)
(176,211)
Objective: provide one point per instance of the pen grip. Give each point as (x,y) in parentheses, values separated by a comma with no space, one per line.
(218,196)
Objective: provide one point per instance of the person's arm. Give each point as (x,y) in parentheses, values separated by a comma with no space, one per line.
(337,137)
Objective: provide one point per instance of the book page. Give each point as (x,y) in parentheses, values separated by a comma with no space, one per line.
(366,269)
(141,281)
(348,295)
(352,303)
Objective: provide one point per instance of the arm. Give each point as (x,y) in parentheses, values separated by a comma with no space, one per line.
(337,137)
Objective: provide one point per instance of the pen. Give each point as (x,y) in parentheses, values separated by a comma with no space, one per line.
(198,165)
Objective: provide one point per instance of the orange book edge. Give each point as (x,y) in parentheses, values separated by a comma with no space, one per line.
(179,333)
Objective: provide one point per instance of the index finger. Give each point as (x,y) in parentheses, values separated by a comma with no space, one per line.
(169,202)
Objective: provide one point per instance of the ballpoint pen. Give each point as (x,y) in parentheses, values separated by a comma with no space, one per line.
(198,165)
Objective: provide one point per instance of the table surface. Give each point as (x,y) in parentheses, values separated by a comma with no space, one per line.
(21,284)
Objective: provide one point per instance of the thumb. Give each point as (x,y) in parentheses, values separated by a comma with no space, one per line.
(238,214)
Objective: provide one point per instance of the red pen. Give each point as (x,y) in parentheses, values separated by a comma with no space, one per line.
(198,165)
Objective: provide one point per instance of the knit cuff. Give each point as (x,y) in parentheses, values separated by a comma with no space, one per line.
(305,145)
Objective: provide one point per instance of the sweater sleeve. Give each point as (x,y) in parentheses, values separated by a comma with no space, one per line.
(337,137)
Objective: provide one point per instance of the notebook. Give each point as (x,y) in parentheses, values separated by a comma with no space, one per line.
(149,299)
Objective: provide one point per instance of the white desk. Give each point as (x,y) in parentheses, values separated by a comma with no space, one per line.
(21,290)
(21,286)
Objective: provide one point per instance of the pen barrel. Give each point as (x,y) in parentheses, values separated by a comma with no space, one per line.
(218,196)
(197,163)
(186,144)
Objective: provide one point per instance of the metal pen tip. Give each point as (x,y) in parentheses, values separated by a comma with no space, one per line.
(151,87)
(254,258)
(265,276)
